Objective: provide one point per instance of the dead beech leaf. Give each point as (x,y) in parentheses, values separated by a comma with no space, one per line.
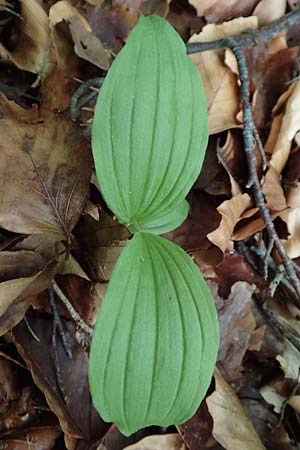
(35,438)
(73,407)
(160,442)
(237,324)
(273,191)
(232,427)
(289,126)
(104,241)
(22,275)
(248,226)
(45,169)
(268,12)
(32,50)
(231,211)
(86,44)
(292,218)
(221,10)
(220,83)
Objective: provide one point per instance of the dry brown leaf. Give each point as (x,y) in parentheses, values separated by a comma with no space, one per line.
(268,12)
(35,438)
(220,83)
(32,51)
(76,422)
(23,275)
(45,170)
(247,228)
(221,10)
(231,211)
(160,442)
(292,219)
(294,4)
(104,241)
(237,324)
(273,191)
(86,44)
(232,427)
(289,126)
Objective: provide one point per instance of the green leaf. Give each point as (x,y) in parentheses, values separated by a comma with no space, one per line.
(156,338)
(150,129)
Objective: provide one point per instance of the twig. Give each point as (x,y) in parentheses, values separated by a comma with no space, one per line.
(267,256)
(261,253)
(30,329)
(251,158)
(93,84)
(73,313)
(249,38)
(260,148)
(57,323)
(275,323)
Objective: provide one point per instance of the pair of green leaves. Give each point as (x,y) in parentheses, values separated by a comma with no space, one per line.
(156,337)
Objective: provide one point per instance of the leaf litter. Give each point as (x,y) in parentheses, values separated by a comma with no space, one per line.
(56,227)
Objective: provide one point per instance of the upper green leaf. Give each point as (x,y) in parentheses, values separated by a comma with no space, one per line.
(150,129)
(156,338)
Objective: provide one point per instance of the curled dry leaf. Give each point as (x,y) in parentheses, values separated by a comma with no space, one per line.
(232,427)
(220,83)
(231,211)
(32,50)
(289,126)
(45,169)
(86,44)
(268,12)
(160,442)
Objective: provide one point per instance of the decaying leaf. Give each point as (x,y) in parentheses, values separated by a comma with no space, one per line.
(220,83)
(231,211)
(268,12)
(39,437)
(273,191)
(232,428)
(32,50)
(221,10)
(237,324)
(104,241)
(289,126)
(45,169)
(86,44)
(61,379)
(167,441)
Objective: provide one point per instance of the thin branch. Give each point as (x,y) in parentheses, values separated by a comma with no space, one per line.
(70,308)
(248,130)
(249,38)
(267,256)
(57,323)
(260,148)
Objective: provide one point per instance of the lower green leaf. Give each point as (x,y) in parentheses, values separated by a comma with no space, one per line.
(156,338)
